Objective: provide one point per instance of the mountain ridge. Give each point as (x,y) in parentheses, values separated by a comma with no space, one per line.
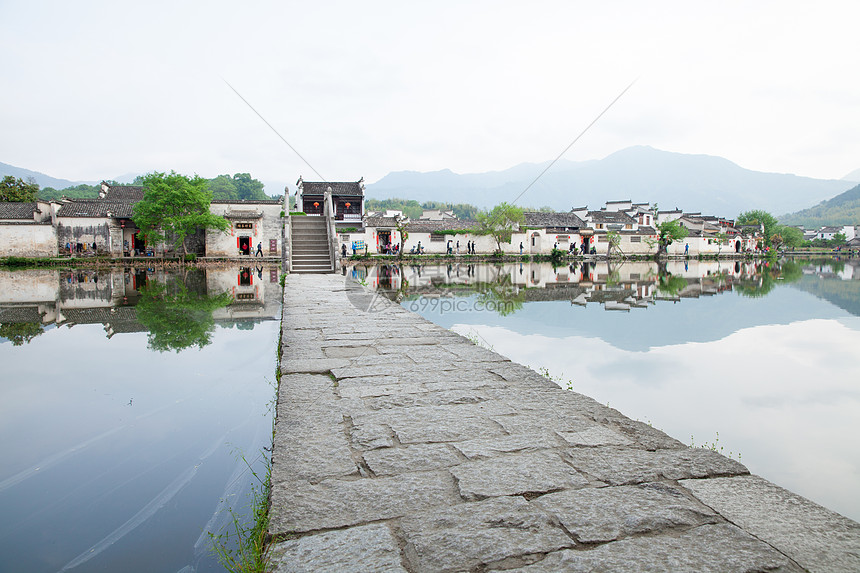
(844,209)
(693,182)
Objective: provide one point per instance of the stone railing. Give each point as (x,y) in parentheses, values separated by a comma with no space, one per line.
(287,236)
(331,232)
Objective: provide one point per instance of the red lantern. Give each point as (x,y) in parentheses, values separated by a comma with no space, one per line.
(316,204)
(348,205)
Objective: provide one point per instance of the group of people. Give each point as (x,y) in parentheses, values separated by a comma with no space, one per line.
(470,248)
(582,250)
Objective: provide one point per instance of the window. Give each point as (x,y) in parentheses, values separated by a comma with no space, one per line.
(635,239)
(599,226)
(437,238)
(344,237)
(628,226)
(244,225)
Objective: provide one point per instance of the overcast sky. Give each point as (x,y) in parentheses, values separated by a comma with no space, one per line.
(94,90)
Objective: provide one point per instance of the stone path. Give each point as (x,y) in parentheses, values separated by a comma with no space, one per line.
(401,446)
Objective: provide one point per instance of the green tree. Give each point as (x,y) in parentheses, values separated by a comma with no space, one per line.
(838,239)
(20,333)
(791,237)
(401,224)
(500,223)
(82,191)
(177,317)
(175,206)
(501,295)
(248,188)
(667,233)
(759,217)
(17,190)
(613,240)
(222,187)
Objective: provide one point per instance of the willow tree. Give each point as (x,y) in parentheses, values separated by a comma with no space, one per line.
(173,207)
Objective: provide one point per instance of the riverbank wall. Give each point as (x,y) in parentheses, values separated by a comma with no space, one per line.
(401,446)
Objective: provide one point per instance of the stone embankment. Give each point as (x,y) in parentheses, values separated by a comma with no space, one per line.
(401,446)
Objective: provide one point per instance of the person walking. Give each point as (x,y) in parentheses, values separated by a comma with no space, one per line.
(259,250)
(521,248)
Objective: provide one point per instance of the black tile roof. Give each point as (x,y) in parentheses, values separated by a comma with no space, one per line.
(383,222)
(124,193)
(96,208)
(611,217)
(553,220)
(338,188)
(440,226)
(17,210)
(18,314)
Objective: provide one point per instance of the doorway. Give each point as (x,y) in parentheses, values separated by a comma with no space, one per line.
(244,245)
(384,242)
(138,244)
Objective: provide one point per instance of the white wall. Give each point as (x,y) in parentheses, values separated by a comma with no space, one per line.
(36,240)
(265,229)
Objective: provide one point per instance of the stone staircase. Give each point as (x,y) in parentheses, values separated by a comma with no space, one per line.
(310,246)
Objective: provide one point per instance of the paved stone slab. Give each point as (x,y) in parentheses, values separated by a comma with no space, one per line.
(816,538)
(596,435)
(349,389)
(535,472)
(369,436)
(363,548)
(314,458)
(594,515)
(290,366)
(301,506)
(437,424)
(437,398)
(488,448)
(348,351)
(618,466)
(706,549)
(459,538)
(418,457)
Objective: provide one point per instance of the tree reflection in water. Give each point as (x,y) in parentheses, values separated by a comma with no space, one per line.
(19,333)
(176,316)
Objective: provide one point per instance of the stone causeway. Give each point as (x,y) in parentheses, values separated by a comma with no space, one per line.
(402,446)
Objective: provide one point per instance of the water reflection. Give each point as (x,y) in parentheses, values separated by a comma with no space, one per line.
(615,286)
(178,310)
(111,448)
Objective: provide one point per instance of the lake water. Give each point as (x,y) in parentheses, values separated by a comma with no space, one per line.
(129,398)
(760,361)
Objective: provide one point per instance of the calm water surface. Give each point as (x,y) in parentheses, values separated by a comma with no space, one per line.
(760,361)
(128,401)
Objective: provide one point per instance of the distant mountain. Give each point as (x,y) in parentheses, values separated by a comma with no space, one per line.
(42,179)
(844,209)
(711,185)
(853,176)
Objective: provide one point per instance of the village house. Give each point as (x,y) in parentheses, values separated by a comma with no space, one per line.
(347,199)
(104,226)
(26,229)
